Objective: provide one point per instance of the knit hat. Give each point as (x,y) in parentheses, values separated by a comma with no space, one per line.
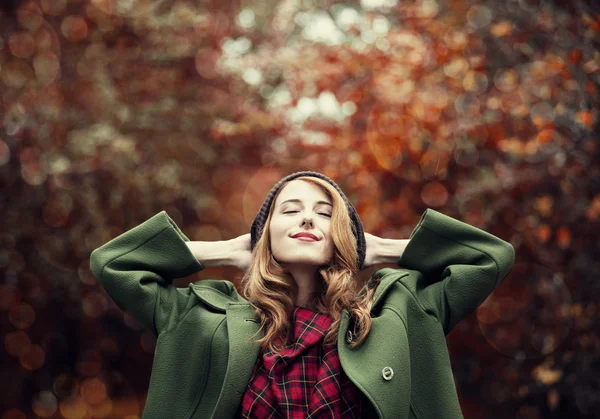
(258,224)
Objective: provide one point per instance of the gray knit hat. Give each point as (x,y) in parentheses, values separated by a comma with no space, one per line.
(258,224)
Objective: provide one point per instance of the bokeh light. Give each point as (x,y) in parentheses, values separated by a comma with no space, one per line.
(94,304)
(31,17)
(54,7)
(46,67)
(9,296)
(102,409)
(16,73)
(32,356)
(73,408)
(74,28)
(93,390)
(89,363)
(22,315)
(22,45)
(15,341)
(65,385)
(44,404)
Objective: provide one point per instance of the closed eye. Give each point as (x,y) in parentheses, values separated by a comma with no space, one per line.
(322,213)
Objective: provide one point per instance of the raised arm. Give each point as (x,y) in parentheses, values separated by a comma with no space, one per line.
(461,265)
(137,269)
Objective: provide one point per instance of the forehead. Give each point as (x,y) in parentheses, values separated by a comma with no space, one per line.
(299,189)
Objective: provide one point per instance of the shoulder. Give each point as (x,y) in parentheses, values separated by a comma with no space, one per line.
(217,293)
(405,288)
(221,285)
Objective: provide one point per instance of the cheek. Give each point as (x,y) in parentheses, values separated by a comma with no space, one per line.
(328,246)
(278,235)
(277,231)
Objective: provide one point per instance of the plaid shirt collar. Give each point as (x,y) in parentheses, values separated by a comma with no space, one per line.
(305,380)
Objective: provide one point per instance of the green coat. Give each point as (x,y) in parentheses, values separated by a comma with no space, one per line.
(203,361)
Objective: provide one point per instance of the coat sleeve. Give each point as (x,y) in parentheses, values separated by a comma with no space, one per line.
(137,269)
(460,265)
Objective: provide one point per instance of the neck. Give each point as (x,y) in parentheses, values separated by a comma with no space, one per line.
(307,280)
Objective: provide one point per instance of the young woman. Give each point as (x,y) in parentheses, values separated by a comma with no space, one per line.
(302,338)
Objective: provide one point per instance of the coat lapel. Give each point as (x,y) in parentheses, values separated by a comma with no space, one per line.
(242,325)
(352,362)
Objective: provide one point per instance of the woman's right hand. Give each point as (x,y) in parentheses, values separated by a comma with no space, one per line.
(241,253)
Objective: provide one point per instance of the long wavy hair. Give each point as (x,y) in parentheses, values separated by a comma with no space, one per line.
(272,291)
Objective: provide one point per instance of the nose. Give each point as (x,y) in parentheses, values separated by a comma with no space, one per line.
(306,219)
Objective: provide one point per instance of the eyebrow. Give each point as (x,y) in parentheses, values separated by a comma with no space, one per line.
(299,201)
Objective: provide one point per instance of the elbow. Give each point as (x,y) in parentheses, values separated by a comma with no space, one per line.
(505,262)
(509,257)
(96,265)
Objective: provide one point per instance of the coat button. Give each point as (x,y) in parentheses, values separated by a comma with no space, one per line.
(349,336)
(387,373)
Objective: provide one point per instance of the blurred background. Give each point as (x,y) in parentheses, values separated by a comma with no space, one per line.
(112,111)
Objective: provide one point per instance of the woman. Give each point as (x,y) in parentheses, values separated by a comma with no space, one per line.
(303,338)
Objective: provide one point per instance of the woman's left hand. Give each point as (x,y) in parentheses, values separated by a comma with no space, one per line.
(372,251)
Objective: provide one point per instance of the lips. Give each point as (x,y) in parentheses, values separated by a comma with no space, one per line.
(305,237)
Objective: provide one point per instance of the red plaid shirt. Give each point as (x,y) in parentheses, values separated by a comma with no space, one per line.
(306,380)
